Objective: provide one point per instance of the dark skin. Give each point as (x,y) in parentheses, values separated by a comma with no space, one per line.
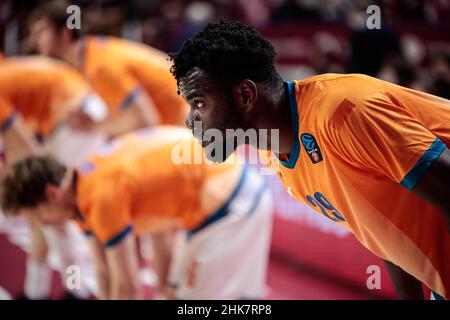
(434,186)
(245,108)
(253,105)
(407,287)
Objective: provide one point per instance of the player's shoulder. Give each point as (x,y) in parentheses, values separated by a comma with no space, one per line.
(104,183)
(327,77)
(40,69)
(334,89)
(110,54)
(125,47)
(103,53)
(330,100)
(98,41)
(150,144)
(34,62)
(336,76)
(332,84)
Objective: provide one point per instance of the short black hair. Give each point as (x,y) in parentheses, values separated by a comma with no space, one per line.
(229,52)
(23,186)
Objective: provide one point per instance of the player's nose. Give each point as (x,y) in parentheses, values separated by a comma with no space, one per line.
(190,119)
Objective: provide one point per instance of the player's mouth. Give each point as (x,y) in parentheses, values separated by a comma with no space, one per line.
(204,144)
(199,139)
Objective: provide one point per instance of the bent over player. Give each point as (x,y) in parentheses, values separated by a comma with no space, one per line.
(370,156)
(132,78)
(149,182)
(37,96)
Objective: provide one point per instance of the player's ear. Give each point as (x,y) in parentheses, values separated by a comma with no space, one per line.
(65,36)
(245,94)
(52,193)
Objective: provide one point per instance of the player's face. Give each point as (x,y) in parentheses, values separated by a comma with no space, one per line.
(43,37)
(47,214)
(210,108)
(56,209)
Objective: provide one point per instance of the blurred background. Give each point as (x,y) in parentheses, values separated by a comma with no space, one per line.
(311,258)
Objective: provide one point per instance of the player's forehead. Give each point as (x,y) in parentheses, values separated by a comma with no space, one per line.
(196,83)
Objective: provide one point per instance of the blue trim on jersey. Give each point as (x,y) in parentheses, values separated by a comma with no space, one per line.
(119,237)
(421,166)
(5,125)
(87,233)
(437,296)
(86,167)
(102,39)
(257,198)
(129,99)
(79,216)
(295,150)
(223,211)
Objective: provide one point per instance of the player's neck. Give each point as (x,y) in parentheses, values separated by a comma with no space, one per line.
(275,114)
(72,53)
(71,188)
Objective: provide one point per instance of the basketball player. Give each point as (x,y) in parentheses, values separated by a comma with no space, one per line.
(132,78)
(37,96)
(150,182)
(368,155)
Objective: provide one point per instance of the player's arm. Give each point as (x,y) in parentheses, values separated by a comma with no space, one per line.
(38,273)
(18,140)
(386,138)
(101,267)
(120,89)
(406,286)
(39,247)
(162,248)
(434,185)
(140,113)
(123,266)
(111,222)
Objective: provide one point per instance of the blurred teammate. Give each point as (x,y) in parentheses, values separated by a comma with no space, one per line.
(37,95)
(368,155)
(150,181)
(132,78)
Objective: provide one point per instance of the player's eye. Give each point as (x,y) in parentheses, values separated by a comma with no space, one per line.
(199,103)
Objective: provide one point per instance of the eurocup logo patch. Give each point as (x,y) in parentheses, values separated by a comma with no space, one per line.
(311,147)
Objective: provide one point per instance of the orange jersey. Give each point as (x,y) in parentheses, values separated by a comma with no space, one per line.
(134,183)
(360,146)
(120,70)
(41,90)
